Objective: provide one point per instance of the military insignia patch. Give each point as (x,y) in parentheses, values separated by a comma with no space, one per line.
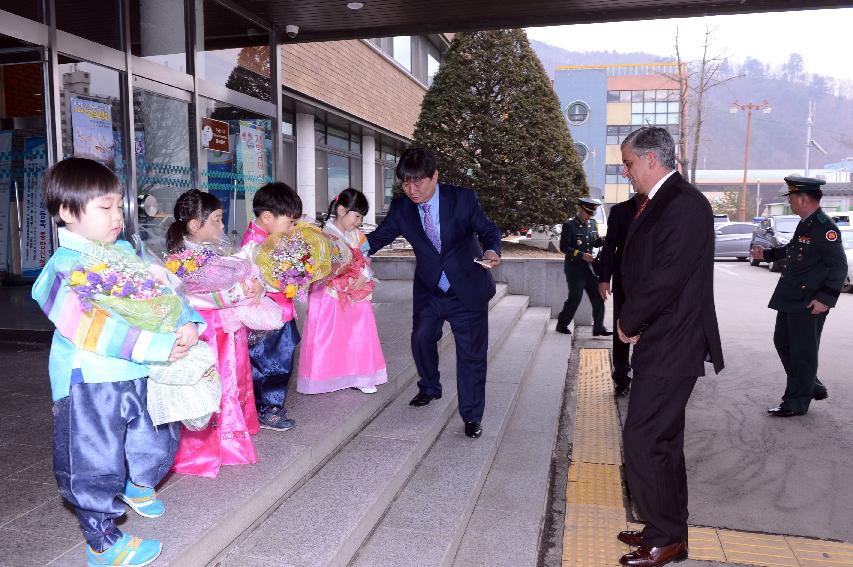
(831,235)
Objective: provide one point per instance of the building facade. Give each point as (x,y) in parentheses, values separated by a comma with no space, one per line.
(602,104)
(176,94)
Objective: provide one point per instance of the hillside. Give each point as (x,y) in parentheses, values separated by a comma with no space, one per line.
(778,138)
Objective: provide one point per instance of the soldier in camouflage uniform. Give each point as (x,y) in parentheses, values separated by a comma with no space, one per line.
(809,286)
(577,240)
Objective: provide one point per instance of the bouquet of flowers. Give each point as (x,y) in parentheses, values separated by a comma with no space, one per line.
(120,282)
(348,265)
(291,262)
(217,279)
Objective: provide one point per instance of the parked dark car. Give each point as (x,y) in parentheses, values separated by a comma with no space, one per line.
(732,240)
(772,232)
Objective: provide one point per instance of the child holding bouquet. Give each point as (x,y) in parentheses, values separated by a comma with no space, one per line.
(341,347)
(106,448)
(219,286)
(277,209)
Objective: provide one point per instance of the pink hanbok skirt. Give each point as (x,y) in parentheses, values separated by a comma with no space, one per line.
(227,440)
(340,346)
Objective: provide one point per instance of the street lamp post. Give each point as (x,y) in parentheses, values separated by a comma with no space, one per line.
(749,107)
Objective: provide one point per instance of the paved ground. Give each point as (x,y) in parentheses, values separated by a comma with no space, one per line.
(748,471)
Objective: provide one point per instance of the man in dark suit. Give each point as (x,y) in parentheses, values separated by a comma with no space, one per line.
(609,267)
(445,226)
(669,317)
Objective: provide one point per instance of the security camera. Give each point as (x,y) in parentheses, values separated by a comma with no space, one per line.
(291,30)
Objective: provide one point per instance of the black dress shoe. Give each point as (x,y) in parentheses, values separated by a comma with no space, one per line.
(422,399)
(822,396)
(564,329)
(473,429)
(633,538)
(783,412)
(655,556)
(602,333)
(620,390)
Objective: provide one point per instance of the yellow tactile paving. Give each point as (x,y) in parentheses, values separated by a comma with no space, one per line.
(816,553)
(595,510)
(704,544)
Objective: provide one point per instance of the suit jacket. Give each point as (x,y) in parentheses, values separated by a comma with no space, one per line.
(464,225)
(668,276)
(610,257)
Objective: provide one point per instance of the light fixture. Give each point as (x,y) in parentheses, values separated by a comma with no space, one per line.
(355,5)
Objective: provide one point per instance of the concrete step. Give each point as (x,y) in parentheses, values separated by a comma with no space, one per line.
(505,528)
(204,516)
(425,524)
(326,520)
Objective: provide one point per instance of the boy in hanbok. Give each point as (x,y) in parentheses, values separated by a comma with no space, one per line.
(218,287)
(277,209)
(106,447)
(340,347)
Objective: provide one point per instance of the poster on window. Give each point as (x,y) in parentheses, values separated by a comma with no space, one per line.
(221,185)
(35,230)
(5,195)
(251,152)
(92,125)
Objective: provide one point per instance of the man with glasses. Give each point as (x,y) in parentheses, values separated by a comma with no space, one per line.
(445,226)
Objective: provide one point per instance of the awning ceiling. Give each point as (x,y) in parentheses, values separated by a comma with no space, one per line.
(331,19)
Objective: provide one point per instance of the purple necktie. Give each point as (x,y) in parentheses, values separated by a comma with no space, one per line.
(432,234)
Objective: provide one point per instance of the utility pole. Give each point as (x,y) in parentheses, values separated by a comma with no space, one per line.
(809,123)
(749,107)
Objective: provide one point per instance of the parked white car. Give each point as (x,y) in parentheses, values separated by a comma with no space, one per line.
(847,241)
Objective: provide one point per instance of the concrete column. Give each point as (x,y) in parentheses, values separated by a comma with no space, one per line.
(368,174)
(305,165)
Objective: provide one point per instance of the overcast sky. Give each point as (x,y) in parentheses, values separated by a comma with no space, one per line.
(823,37)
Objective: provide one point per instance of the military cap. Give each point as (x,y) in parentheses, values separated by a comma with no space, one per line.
(798,184)
(589,205)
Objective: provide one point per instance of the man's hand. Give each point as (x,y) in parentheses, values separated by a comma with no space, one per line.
(817,307)
(757,252)
(187,335)
(604,290)
(588,257)
(625,338)
(493,258)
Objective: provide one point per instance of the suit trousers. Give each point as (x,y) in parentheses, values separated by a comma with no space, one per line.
(653,438)
(580,278)
(621,351)
(797,340)
(102,436)
(471,333)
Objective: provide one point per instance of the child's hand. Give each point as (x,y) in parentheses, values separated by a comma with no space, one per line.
(255,292)
(359,283)
(178,352)
(187,335)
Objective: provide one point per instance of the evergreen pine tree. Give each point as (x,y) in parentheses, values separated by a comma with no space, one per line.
(495,125)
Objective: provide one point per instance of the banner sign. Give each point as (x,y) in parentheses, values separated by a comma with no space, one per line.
(5,196)
(92,125)
(36,228)
(214,135)
(252,153)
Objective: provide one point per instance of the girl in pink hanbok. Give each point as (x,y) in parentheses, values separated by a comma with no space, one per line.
(225,291)
(340,343)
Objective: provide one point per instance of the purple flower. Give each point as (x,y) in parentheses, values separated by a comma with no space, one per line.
(148,285)
(110,280)
(94,278)
(127,289)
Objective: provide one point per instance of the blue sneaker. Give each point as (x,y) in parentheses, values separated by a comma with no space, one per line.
(143,500)
(129,550)
(275,419)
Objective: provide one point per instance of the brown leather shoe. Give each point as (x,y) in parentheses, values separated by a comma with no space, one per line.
(655,556)
(633,538)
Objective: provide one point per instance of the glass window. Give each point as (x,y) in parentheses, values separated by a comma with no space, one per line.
(288,119)
(660,119)
(673,95)
(30,9)
(636,96)
(672,107)
(337,138)
(625,96)
(234,176)
(98,23)
(338,175)
(637,119)
(432,66)
(402,51)
(583,151)
(91,113)
(355,142)
(577,113)
(158,32)
(661,95)
(672,118)
(637,107)
(612,96)
(387,187)
(163,168)
(649,95)
(224,59)
(319,132)
(613,135)
(661,107)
